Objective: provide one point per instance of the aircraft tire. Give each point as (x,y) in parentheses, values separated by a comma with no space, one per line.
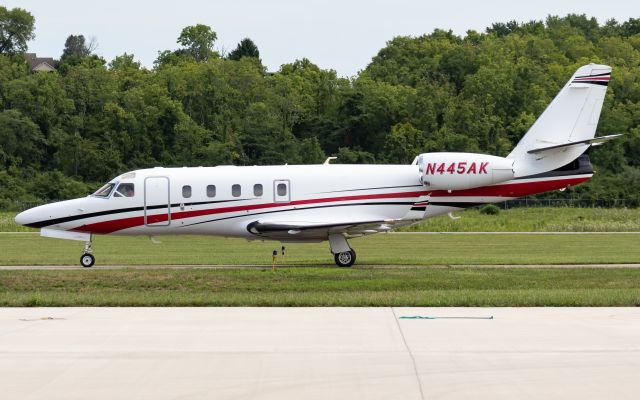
(345,259)
(87,260)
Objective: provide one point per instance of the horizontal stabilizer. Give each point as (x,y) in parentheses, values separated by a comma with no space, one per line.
(594,142)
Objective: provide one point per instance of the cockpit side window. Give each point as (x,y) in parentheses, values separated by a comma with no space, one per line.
(125,190)
(104,191)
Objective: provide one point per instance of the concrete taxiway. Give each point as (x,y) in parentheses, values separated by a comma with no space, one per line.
(319,353)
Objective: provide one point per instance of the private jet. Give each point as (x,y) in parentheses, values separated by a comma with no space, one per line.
(333,202)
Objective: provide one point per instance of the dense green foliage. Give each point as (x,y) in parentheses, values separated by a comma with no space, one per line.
(526,219)
(63,133)
(16,29)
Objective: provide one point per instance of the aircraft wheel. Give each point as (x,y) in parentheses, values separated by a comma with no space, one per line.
(87,260)
(345,259)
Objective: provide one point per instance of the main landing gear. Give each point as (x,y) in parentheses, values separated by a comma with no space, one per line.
(345,259)
(87,259)
(343,255)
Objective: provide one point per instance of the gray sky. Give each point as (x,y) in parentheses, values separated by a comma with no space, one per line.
(338,34)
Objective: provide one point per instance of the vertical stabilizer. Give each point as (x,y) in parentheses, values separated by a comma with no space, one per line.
(571,117)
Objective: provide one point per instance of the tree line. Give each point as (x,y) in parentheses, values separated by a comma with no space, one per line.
(64,133)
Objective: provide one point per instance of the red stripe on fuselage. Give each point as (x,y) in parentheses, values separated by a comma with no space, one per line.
(504,190)
(513,189)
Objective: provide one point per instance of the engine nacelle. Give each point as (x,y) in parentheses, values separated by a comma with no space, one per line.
(459,171)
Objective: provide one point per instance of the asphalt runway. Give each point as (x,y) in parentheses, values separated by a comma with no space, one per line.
(319,353)
(364,266)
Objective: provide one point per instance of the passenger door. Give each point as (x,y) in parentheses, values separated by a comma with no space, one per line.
(157,201)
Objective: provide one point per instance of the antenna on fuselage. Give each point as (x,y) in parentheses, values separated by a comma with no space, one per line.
(328,160)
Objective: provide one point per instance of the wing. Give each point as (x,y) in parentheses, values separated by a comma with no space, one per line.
(313,231)
(320,230)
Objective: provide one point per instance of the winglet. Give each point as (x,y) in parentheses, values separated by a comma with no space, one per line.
(328,160)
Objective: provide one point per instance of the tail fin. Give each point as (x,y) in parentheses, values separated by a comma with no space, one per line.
(571,117)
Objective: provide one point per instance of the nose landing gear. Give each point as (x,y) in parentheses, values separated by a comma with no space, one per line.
(87,259)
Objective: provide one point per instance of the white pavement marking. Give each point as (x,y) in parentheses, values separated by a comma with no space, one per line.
(319,353)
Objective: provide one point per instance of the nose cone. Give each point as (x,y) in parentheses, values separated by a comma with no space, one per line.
(49,215)
(36,217)
(24,218)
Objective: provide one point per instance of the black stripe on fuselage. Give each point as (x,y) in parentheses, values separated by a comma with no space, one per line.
(457,204)
(49,222)
(375,188)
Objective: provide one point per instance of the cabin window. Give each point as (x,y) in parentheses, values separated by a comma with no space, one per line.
(236,190)
(125,190)
(186,191)
(257,190)
(104,191)
(281,189)
(211,190)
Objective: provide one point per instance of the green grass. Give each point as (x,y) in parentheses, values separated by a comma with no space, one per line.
(7,224)
(525,219)
(537,219)
(322,287)
(381,249)
(331,286)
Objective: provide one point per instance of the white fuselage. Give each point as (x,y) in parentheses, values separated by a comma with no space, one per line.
(183,200)
(311,193)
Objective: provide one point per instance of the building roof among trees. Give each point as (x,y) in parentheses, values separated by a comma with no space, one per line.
(36,63)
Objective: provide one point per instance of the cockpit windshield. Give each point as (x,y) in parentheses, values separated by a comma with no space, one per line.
(104,191)
(125,190)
